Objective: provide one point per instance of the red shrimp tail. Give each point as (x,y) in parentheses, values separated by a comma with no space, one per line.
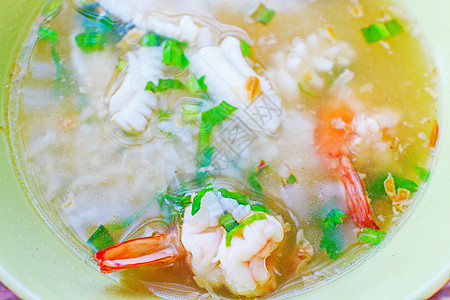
(136,253)
(356,196)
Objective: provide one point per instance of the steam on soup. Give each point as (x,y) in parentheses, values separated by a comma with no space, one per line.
(235,148)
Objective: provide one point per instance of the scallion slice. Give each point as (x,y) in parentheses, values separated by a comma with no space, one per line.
(291,179)
(101,239)
(372,236)
(228,222)
(152,40)
(260,208)
(248,221)
(241,199)
(245,48)
(173,54)
(379,31)
(196,203)
(164,85)
(263,14)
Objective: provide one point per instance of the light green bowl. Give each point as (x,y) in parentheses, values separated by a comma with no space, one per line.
(36,264)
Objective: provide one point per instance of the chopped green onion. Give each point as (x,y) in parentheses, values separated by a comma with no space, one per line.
(196,203)
(394,27)
(245,48)
(263,14)
(372,236)
(241,199)
(101,239)
(152,40)
(196,86)
(306,92)
(173,206)
(164,85)
(228,222)
(423,174)
(375,186)
(48,35)
(173,54)
(91,40)
(379,31)
(248,221)
(260,208)
(401,183)
(209,120)
(164,114)
(291,179)
(334,218)
(190,113)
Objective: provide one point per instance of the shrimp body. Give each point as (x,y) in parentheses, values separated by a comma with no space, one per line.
(240,266)
(334,135)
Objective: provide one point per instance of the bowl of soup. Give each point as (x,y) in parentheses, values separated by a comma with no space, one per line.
(224,149)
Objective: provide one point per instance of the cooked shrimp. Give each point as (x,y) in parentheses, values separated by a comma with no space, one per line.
(334,135)
(238,264)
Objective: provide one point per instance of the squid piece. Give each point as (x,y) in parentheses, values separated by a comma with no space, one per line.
(131,107)
(334,135)
(228,76)
(239,264)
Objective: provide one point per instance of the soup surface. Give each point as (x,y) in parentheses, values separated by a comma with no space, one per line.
(209,123)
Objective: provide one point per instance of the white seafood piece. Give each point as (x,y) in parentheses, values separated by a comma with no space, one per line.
(227,76)
(242,265)
(244,262)
(131,107)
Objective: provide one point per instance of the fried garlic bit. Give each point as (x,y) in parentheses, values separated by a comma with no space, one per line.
(400,197)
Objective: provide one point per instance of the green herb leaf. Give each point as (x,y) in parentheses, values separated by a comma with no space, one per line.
(101,239)
(209,120)
(245,48)
(333,219)
(173,54)
(152,40)
(173,206)
(306,92)
(423,174)
(260,208)
(401,183)
(291,179)
(164,85)
(190,113)
(241,199)
(228,222)
(91,40)
(164,114)
(246,222)
(48,35)
(196,86)
(375,186)
(394,27)
(263,14)
(372,236)
(332,242)
(196,203)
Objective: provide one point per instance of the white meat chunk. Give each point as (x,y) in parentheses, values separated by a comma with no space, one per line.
(227,75)
(131,107)
(241,266)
